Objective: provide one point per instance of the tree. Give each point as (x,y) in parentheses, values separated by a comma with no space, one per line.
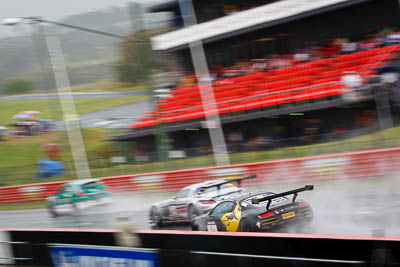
(18,86)
(138,60)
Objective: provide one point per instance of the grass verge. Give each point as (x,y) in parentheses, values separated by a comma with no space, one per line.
(18,155)
(106,85)
(18,164)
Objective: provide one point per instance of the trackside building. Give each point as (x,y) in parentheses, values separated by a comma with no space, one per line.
(278,106)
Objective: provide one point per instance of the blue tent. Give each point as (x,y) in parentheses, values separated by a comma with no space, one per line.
(47,168)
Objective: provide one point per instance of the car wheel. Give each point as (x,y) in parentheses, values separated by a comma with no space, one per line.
(52,211)
(155,216)
(192,213)
(198,225)
(245,226)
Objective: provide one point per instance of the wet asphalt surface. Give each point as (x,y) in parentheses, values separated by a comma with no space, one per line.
(125,114)
(348,207)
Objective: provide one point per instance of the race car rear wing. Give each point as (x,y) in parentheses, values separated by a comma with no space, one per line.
(291,192)
(238,181)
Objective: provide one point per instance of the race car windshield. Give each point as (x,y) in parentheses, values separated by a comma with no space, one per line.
(214,190)
(91,185)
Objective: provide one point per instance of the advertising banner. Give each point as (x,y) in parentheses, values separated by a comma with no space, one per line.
(99,256)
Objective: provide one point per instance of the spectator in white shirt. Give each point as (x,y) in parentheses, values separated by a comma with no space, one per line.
(353,81)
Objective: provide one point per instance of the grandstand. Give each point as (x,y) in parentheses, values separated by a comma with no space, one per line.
(271,87)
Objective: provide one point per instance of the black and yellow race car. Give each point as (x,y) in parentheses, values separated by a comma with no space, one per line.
(257,212)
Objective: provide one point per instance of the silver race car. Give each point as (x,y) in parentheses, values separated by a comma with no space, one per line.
(194,200)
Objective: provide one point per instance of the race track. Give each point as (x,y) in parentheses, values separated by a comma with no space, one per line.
(348,207)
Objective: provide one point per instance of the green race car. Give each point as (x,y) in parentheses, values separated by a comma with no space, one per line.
(76,195)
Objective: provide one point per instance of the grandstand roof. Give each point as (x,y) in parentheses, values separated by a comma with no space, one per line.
(260,17)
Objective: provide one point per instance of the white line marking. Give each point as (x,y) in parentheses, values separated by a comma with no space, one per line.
(276,257)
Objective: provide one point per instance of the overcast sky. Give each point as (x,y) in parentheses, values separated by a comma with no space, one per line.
(53,9)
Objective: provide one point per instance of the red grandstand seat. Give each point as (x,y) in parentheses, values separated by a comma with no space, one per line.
(224,108)
(368,73)
(284,98)
(390,48)
(243,105)
(355,55)
(343,64)
(301,95)
(227,98)
(280,77)
(327,90)
(265,101)
(371,66)
(256,76)
(274,87)
(326,80)
(323,62)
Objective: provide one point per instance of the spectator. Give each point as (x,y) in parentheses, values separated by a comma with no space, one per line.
(280,61)
(353,82)
(348,47)
(362,120)
(370,43)
(258,65)
(390,77)
(126,237)
(301,57)
(393,38)
(339,130)
(259,142)
(388,85)
(235,139)
(330,49)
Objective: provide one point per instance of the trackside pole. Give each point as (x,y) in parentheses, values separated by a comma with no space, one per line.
(68,107)
(212,122)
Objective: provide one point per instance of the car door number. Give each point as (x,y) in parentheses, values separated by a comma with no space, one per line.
(212,228)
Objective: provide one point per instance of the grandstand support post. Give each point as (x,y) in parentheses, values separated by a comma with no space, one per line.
(384,113)
(210,107)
